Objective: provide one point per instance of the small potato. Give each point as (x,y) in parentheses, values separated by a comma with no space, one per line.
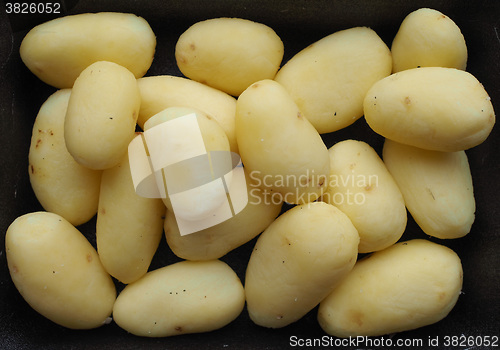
(406,286)
(129,227)
(361,187)
(428,38)
(59,50)
(437,188)
(216,241)
(297,261)
(329,79)
(229,54)
(435,108)
(58,272)
(61,185)
(185,297)
(102,115)
(189,180)
(279,147)
(165,91)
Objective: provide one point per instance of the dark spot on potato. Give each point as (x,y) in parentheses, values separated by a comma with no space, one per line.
(178,329)
(368,187)
(321,181)
(299,115)
(430,192)
(279,317)
(407,100)
(442,295)
(356,317)
(335,114)
(304,182)
(15,269)
(352,166)
(103,211)
(38,143)
(134,115)
(255,85)
(32,169)
(89,257)
(192,46)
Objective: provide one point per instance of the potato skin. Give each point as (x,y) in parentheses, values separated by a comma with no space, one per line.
(406,286)
(58,272)
(361,187)
(329,79)
(297,261)
(185,297)
(435,108)
(129,227)
(437,188)
(216,241)
(59,50)
(61,185)
(165,91)
(279,147)
(428,38)
(103,108)
(229,54)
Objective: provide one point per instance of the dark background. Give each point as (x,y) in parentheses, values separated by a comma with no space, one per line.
(298,23)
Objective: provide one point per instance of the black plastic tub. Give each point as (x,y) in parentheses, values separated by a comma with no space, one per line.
(475,319)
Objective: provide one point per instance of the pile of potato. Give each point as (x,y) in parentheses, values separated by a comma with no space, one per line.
(346,199)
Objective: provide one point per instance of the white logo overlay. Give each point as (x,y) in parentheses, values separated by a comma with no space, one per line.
(170,160)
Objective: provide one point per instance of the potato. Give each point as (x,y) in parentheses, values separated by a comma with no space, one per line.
(406,286)
(58,272)
(437,188)
(190,169)
(129,227)
(59,50)
(329,79)
(297,261)
(229,54)
(216,241)
(61,185)
(428,38)
(185,297)
(102,115)
(164,91)
(361,187)
(279,147)
(435,108)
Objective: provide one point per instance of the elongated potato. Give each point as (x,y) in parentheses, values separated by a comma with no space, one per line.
(361,186)
(329,79)
(59,50)
(58,272)
(297,261)
(61,185)
(102,115)
(280,148)
(229,54)
(189,178)
(216,241)
(165,91)
(185,297)
(406,286)
(437,188)
(435,108)
(428,38)
(129,227)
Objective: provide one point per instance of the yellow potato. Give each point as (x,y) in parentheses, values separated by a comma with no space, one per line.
(102,115)
(164,91)
(229,54)
(437,188)
(280,148)
(61,185)
(428,38)
(129,227)
(406,286)
(59,50)
(436,108)
(216,241)
(185,297)
(329,79)
(58,272)
(192,203)
(297,261)
(361,187)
